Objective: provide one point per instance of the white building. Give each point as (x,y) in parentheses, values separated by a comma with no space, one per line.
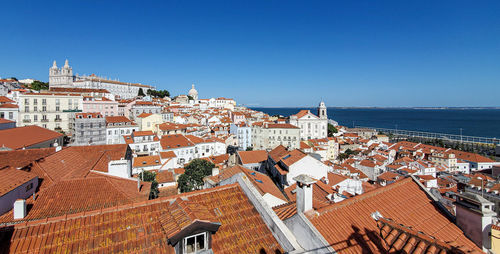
(117,127)
(311,126)
(63,77)
(143,143)
(271,135)
(48,110)
(295,163)
(243,133)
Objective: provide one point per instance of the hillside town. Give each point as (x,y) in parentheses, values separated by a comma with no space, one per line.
(89,164)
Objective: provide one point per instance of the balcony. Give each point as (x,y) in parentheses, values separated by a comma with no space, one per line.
(26,120)
(58,120)
(44,120)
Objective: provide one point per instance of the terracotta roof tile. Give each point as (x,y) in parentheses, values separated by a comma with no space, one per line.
(146,161)
(141,227)
(249,157)
(11,178)
(17,138)
(349,228)
(23,158)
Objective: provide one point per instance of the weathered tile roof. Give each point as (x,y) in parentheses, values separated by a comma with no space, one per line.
(141,227)
(249,157)
(17,138)
(397,238)
(349,228)
(80,195)
(23,158)
(11,178)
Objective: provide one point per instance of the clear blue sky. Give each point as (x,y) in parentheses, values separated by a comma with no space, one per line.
(269,53)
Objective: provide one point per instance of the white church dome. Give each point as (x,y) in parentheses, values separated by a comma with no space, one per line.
(193,93)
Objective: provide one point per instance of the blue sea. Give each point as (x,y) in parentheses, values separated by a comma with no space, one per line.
(474,122)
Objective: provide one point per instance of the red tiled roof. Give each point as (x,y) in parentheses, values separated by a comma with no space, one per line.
(142,133)
(23,158)
(4,99)
(8,105)
(293,156)
(174,141)
(117,119)
(144,227)
(143,115)
(165,176)
(348,227)
(302,113)
(77,162)
(402,239)
(146,161)
(17,138)
(167,154)
(249,157)
(3,120)
(389,176)
(11,178)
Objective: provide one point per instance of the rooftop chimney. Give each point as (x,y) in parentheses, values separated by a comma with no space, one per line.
(19,209)
(215,171)
(304,193)
(474,215)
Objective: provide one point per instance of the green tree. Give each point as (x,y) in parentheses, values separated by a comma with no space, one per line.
(148,176)
(190,97)
(249,148)
(39,85)
(141,92)
(342,156)
(195,171)
(331,130)
(159,93)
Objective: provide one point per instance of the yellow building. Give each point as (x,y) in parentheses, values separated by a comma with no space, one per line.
(148,121)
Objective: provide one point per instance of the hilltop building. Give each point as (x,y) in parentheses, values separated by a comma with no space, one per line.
(63,77)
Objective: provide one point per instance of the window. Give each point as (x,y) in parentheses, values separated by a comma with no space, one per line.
(44,109)
(35,108)
(195,243)
(57,108)
(29,187)
(35,118)
(44,101)
(35,101)
(27,101)
(26,109)
(57,101)
(11,115)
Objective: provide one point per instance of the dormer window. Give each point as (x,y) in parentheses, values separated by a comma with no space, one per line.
(195,243)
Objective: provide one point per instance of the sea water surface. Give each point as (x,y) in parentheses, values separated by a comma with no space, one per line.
(473,122)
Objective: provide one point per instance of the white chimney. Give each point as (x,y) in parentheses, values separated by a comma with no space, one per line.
(19,209)
(304,193)
(474,215)
(215,171)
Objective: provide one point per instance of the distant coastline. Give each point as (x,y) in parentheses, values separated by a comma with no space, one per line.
(439,108)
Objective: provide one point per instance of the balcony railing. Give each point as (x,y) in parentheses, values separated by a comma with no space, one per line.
(26,120)
(44,120)
(58,120)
